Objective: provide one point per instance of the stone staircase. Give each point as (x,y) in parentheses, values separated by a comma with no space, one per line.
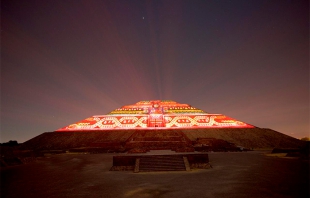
(161,163)
(146,140)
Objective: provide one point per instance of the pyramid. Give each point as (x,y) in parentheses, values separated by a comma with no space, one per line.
(155,114)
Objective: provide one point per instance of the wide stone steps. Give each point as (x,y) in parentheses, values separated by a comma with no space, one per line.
(161,163)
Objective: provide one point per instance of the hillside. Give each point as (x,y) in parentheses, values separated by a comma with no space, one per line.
(246,137)
(67,140)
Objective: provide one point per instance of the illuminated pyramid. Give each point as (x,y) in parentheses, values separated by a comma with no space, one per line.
(155,114)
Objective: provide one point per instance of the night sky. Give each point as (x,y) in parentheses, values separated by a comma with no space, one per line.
(66,60)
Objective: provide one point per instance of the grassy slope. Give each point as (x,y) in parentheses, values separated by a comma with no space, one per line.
(246,137)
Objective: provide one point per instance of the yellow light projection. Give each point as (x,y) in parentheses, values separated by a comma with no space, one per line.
(159,114)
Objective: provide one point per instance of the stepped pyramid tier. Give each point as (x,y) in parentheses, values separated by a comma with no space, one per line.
(156,114)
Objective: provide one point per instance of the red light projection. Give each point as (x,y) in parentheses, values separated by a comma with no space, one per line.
(159,114)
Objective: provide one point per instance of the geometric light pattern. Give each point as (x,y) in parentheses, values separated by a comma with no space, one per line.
(156,114)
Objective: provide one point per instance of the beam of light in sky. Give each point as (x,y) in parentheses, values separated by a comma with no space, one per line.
(62,61)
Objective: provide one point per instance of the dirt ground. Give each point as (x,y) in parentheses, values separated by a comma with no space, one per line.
(246,174)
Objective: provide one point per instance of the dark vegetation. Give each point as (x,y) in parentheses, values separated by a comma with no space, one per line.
(11,154)
(302,152)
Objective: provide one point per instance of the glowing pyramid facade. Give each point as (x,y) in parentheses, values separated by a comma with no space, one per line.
(156,114)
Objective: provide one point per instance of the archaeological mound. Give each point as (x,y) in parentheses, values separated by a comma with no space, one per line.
(159,125)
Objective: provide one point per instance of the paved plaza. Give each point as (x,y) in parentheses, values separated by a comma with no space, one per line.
(234,174)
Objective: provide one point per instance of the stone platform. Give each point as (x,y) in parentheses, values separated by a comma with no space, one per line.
(168,162)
